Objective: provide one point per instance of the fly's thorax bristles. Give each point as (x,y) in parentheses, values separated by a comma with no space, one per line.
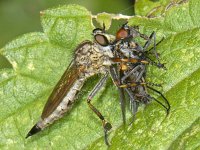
(111,38)
(95,58)
(128,49)
(132,44)
(105,50)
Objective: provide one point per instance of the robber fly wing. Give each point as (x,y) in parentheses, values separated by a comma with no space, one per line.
(67,80)
(61,89)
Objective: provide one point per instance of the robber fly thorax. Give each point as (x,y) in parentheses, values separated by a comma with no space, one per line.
(90,58)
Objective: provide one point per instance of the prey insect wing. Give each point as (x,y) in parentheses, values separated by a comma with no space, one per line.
(116,80)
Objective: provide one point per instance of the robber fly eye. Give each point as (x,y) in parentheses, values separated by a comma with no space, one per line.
(101,40)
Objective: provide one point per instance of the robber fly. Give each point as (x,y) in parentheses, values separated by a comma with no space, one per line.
(90,58)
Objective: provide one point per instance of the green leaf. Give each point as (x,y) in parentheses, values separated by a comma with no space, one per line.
(4,63)
(39,59)
(143,7)
(153,8)
(104,18)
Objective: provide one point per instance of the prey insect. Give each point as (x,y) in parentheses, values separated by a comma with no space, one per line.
(130,73)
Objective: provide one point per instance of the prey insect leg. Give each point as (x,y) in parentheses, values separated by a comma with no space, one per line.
(134,31)
(141,70)
(148,42)
(106,125)
(152,36)
(159,65)
(156,45)
(133,102)
(132,71)
(150,97)
(165,99)
(134,84)
(144,36)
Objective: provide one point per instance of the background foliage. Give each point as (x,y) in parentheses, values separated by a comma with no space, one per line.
(35,62)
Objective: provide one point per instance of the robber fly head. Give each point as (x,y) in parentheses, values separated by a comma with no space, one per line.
(103,41)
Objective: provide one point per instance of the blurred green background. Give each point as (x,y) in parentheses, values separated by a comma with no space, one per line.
(18,17)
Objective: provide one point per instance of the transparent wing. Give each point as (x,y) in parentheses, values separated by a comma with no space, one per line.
(66,82)
(61,89)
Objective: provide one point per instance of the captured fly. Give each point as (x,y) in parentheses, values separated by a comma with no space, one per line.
(90,59)
(132,60)
(130,73)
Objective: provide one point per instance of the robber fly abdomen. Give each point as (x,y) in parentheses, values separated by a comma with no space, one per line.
(64,106)
(89,60)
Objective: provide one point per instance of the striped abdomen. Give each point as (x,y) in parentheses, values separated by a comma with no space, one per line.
(64,106)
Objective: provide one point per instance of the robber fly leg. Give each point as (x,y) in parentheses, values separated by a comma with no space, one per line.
(116,80)
(106,125)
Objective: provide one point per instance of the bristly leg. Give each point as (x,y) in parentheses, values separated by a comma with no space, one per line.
(165,99)
(156,45)
(106,125)
(153,36)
